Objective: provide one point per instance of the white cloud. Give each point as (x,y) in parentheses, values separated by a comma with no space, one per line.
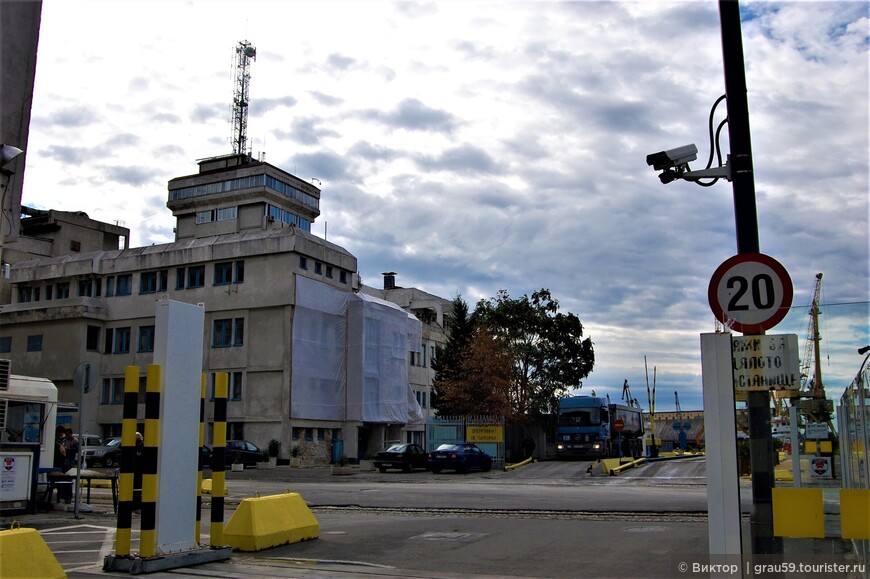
(474,147)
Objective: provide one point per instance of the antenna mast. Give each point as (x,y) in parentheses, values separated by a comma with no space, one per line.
(245,55)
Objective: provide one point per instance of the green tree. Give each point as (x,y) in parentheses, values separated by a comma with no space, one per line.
(547,350)
(449,361)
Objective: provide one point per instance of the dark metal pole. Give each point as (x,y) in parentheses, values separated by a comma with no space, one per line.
(746,220)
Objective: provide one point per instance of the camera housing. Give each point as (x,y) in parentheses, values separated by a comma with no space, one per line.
(671,158)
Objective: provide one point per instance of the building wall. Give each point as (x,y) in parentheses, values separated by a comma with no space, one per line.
(263,301)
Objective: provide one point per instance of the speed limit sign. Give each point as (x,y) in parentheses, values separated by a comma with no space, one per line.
(750,292)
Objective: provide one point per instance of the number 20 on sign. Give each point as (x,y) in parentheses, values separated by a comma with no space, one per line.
(750,292)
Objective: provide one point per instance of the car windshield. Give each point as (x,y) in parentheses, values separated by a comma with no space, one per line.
(396,448)
(114,442)
(448,447)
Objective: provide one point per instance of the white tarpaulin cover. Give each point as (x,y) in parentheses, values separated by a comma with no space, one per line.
(350,357)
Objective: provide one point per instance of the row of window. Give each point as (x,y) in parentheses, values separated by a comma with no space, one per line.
(312,434)
(112,391)
(285,216)
(329,271)
(223,214)
(34,344)
(419,358)
(225,273)
(245,183)
(226,333)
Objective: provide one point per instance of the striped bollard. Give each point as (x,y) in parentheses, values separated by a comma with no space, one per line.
(218,460)
(148,530)
(128,462)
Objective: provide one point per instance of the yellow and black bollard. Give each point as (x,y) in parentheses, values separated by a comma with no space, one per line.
(218,460)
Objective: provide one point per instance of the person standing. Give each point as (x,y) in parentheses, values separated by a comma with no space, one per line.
(71,449)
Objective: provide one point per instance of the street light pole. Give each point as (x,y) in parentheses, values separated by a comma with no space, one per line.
(746,221)
(82,387)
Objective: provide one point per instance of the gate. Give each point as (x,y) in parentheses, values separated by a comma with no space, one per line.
(458,429)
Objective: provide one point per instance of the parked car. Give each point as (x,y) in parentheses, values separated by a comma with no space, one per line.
(91,439)
(402,456)
(106,454)
(460,457)
(244,452)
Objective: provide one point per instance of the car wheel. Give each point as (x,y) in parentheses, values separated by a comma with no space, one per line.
(382,468)
(407,468)
(487,467)
(109,461)
(436,470)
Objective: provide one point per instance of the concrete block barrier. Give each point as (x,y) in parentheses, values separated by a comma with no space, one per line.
(24,554)
(263,522)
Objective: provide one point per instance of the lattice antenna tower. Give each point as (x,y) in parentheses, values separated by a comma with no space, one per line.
(245,55)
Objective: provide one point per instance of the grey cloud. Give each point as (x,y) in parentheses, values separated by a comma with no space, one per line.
(74,116)
(202,113)
(261,106)
(340,62)
(166,118)
(466,159)
(138,84)
(328,166)
(122,140)
(369,152)
(412,114)
(65,154)
(135,176)
(325,99)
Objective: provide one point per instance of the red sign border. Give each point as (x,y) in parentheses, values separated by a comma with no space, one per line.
(779,270)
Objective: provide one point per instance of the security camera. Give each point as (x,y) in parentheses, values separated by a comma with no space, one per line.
(673,157)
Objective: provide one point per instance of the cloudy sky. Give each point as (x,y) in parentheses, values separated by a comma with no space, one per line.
(476,146)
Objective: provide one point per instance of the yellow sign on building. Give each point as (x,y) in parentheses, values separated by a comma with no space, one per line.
(484,434)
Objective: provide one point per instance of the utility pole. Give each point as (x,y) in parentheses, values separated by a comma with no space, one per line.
(746,221)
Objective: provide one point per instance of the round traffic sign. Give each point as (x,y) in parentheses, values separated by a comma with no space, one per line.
(618,424)
(750,292)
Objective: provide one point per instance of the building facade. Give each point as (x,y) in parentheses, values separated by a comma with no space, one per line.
(305,347)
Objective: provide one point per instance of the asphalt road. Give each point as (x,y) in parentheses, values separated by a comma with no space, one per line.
(544,520)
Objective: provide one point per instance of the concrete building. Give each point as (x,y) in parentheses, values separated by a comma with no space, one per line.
(312,361)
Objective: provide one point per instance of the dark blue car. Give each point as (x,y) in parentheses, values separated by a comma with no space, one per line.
(461,457)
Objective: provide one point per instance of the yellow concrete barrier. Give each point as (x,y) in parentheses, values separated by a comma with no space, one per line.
(207,485)
(263,522)
(798,513)
(24,554)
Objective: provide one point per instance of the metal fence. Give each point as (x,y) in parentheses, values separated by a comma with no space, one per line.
(455,429)
(853,417)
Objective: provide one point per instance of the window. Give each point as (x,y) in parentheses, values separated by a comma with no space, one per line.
(228,332)
(92,339)
(318,268)
(124,285)
(121,285)
(61,293)
(112,391)
(196,276)
(121,344)
(421,398)
(329,271)
(223,273)
(204,216)
(153,281)
(179,278)
(303,262)
(25,294)
(90,287)
(34,343)
(342,276)
(235,386)
(321,434)
(48,292)
(423,355)
(227,272)
(227,213)
(297,432)
(146,339)
(5,344)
